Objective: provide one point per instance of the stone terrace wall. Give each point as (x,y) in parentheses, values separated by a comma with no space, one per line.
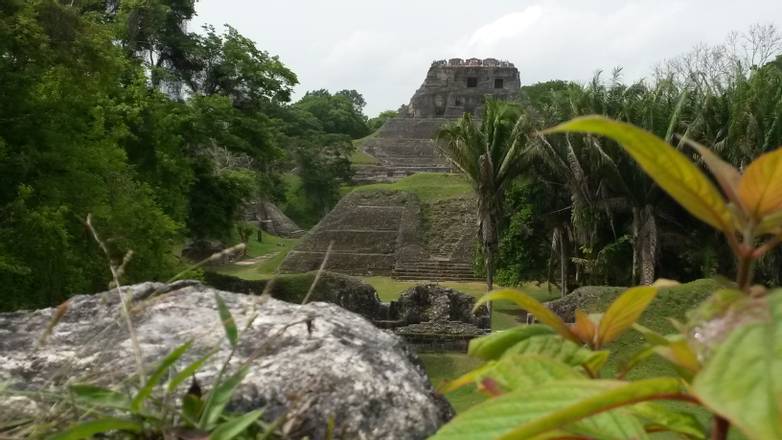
(403,146)
(367,229)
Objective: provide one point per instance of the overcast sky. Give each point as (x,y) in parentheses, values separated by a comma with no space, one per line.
(383,49)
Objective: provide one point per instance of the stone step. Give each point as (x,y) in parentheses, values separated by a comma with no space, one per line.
(453,271)
(465,267)
(435,278)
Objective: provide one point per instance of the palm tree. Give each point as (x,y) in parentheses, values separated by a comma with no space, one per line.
(489,156)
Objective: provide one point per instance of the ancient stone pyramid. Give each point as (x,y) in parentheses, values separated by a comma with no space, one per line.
(394,233)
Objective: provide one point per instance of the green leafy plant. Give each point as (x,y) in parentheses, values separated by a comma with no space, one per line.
(152,411)
(549,380)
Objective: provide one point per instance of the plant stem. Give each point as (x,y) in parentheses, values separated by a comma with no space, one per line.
(720,428)
(744,272)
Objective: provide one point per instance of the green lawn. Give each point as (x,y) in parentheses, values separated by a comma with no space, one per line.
(276,248)
(429,187)
(444,367)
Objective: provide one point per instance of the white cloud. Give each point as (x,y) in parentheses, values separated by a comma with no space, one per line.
(383,49)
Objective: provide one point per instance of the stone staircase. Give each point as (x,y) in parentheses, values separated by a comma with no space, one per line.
(402,146)
(435,270)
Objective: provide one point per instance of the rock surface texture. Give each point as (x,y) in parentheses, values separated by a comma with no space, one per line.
(313,363)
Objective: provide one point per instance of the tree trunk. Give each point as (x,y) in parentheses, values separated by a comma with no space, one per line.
(489,241)
(559,246)
(562,263)
(644,243)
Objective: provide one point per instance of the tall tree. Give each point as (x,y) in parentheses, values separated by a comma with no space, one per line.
(489,155)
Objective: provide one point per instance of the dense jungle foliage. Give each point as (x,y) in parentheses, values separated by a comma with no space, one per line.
(115,108)
(583,209)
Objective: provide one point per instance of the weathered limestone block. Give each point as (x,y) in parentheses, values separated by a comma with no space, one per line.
(434,303)
(345,291)
(432,317)
(314,362)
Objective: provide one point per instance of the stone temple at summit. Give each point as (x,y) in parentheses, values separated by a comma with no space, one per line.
(457,86)
(404,145)
(397,234)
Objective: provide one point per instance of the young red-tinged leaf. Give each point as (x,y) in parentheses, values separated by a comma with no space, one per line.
(490,387)
(229,325)
(532,306)
(726,174)
(760,188)
(669,168)
(623,312)
(584,328)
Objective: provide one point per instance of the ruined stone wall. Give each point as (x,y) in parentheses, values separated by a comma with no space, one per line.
(460,86)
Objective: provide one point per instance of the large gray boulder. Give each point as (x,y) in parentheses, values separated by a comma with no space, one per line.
(314,362)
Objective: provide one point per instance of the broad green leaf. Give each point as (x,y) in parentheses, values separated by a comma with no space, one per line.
(231,332)
(533,306)
(623,312)
(99,396)
(584,328)
(661,417)
(89,429)
(235,426)
(726,174)
(517,372)
(157,376)
(669,168)
(498,417)
(493,345)
(188,372)
(561,350)
(742,381)
(626,394)
(760,188)
(219,397)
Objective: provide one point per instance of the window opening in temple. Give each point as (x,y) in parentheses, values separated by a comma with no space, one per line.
(457,101)
(472,82)
(498,83)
